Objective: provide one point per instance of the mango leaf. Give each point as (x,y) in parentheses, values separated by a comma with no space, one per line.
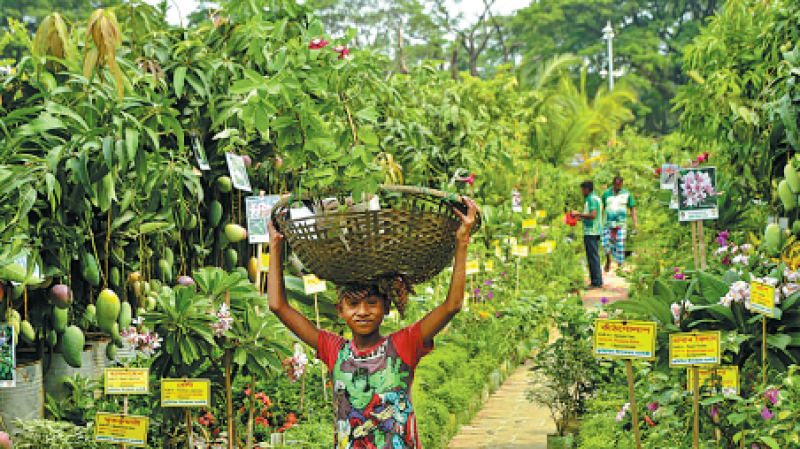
(180,77)
(148,228)
(779,341)
(769,441)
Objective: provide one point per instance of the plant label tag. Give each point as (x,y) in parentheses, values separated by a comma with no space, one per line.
(264,263)
(473,267)
(238,172)
(121,429)
(489,266)
(726,377)
(126,380)
(695,348)
(312,284)
(8,362)
(529,224)
(762,298)
(541,214)
(185,392)
(519,251)
(200,153)
(625,339)
(259,212)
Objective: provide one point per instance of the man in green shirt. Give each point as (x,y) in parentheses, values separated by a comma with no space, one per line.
(592,217)
(616,202)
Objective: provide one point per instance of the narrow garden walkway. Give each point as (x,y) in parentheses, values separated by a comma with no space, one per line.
(508,420)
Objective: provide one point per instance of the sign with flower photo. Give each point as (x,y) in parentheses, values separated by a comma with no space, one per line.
(668,174)
(7,356)
(697,194)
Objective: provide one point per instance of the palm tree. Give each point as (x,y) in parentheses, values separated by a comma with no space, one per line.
(567,121)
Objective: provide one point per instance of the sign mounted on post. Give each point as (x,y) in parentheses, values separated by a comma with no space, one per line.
(762,298)
(697,194)
(185,392)
(259,210)
(726,377)
(668,174)
(625,339)
(121,429)
(519,251)
(126,381)
(489,266)
(312,284)
(529,224)
(238,172)
(473,267)
(696,348)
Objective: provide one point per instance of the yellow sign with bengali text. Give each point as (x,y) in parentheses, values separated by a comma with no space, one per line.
(539,250)
(696,348)
(264,262)
(185,392)
(529,224)
(625,339)
(726,377)
(489,266)
(519,250)
(762,298)
(121,429)
(126,380)
(312,284)
(473,267)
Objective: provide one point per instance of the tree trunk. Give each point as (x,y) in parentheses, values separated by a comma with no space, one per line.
(454,63)
(401,57)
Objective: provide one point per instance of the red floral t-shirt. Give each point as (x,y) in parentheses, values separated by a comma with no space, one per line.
(372,389)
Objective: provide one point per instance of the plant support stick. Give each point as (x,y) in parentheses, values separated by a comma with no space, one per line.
(634,411)
(696,406)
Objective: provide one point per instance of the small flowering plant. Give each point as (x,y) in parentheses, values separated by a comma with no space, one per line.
(140,339)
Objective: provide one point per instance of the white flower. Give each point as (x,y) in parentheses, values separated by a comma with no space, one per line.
(696,186)
(721,250)
(741,259)
(224,321)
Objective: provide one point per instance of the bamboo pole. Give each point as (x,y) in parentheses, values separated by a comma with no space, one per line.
(696,407)
(228,392)
(632,399)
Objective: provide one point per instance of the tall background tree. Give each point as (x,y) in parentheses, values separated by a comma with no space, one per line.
(648,46)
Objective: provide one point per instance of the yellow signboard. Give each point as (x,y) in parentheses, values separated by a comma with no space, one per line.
(529,224)
(551,245)
(697,348)
(264,262)
(121,429)
(519,250)
(185,392)
(313,284)
(625,339)
(539,250)
(126,380)
(762,298)
(498,252)
(473,267)
(726,377)
(541,214)
(489,266)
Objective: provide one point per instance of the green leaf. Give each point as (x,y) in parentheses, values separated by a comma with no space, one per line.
(368,136)
(769,441)
(180,77)
(779,341)
(369,114)
(712,288)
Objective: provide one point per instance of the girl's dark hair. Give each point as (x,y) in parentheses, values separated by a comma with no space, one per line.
(589,185)
(393,289)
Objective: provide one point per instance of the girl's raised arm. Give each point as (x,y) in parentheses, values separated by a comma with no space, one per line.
(438,318)
(276,290)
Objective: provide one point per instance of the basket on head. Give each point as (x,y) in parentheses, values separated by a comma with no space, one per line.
(405,230)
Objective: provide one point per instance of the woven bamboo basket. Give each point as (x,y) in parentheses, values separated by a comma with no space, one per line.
(403,230)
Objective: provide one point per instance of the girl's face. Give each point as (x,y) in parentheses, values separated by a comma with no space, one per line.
(363,316)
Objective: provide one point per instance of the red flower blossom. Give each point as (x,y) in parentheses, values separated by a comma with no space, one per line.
(649,421)
(703,157)
(658,171)
(342,50)
(317,44)
(247,392)
(216,431)
(469,180)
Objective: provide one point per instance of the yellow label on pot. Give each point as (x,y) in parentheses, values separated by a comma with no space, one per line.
(126,380)
(312,284)
(726,377)
(625,339)
(529,224)
(473,267)
(762,298)
(489,266)
(541,214)
(185,392)
(121,429)
(696,348)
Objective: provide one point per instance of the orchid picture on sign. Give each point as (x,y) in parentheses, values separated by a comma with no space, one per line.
(516,201)
(668,174)
(238,172)
(697,194)
(7,356)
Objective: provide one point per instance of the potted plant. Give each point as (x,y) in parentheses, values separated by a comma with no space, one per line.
(565,373)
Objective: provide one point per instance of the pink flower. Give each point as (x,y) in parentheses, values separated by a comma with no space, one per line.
(247,392)
(714,411)
(604,300)
(317,44)
(772,395)
(766,414)
(469,180)
(343,52)
(703,157)
(680,276)
(653,406)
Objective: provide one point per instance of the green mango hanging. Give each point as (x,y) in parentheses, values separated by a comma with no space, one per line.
(788,198)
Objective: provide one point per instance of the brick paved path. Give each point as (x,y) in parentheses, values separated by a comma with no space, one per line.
(508,420)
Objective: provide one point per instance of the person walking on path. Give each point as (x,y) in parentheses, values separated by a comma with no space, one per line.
(616,202)
(592,218)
